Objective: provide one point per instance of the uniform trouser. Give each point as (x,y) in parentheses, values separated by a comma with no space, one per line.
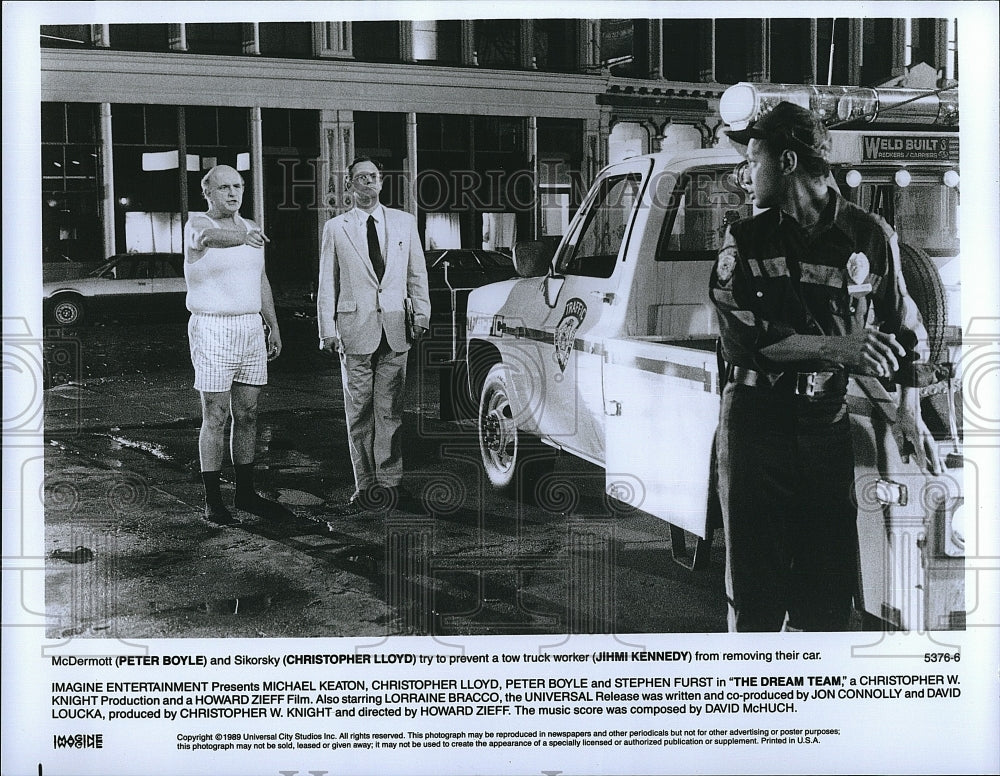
(373,401)
(786,474)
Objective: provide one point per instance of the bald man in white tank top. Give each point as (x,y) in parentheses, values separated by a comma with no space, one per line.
(230,301)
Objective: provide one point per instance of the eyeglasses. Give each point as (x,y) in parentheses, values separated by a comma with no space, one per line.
(365,177)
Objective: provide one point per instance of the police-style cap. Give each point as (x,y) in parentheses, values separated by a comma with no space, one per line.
(787,125)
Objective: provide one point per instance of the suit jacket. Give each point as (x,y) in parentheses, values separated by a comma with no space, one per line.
(351,303)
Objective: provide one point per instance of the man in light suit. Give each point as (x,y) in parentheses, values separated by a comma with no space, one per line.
(370,263)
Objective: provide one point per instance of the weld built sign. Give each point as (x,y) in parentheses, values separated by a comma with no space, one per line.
(907,148)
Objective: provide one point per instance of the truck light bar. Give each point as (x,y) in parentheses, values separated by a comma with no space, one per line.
(746,102)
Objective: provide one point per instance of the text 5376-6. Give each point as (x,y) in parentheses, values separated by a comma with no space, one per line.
(942,657)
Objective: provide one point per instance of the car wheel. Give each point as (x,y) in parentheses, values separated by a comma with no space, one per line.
(67,311)
(514,461)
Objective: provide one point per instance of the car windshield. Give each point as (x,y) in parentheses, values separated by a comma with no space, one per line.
(496,260)
(455,259)
(141,265)
(104,267)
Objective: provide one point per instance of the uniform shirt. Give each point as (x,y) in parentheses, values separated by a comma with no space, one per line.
(774,279)
(223,281)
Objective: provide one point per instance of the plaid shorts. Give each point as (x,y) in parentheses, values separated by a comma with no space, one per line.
(227,349)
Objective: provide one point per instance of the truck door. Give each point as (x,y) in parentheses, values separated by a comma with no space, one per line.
(661,384)
(579,297)
(662,411)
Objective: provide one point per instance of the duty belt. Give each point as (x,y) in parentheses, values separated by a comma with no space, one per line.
(800,383)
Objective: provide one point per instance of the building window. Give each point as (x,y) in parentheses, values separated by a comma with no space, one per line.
(71,212)
(833,53)
(66,35)
(499,133)
(216,136)
(471,166)
(146,177)
(498,43)
(285,39)
(683,46)
(922,43)
(788,51)
(734,50)
(616,42)
(382,136)
(375,41)
(293,191)
(140,37)
(625,47)
(560,181)
(627,138)
(335,39)
(437,41)
(555,44)
(214,38)
(876,51)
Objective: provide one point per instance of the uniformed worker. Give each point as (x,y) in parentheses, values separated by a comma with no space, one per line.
(806,291)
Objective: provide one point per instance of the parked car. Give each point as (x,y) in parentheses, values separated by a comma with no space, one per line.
(127,282)
(467,269)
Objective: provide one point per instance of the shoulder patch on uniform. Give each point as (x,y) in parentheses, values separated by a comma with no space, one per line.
(726,264)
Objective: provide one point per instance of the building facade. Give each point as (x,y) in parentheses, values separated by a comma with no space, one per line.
(489,130)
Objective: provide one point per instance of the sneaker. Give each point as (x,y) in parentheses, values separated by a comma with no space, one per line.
(262,507)
(218,514)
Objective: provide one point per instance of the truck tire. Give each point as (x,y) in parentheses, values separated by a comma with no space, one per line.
(514,461)
(66,310)
(925,287)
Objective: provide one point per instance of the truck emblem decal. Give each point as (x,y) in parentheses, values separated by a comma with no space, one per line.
(565,334)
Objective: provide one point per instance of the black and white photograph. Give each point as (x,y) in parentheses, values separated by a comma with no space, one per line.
(605,395)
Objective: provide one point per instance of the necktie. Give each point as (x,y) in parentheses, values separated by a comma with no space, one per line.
(374,252)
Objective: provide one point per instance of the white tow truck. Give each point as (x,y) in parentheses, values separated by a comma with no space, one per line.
(607,349)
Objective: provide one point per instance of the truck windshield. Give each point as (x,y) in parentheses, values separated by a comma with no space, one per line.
(924,214)
(593,249)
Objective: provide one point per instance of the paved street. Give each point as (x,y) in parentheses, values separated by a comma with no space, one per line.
(129,555)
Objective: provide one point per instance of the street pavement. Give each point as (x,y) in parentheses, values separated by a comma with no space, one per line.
(130,556)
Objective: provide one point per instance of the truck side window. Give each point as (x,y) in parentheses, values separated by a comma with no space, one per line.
(703,205)
(594,249)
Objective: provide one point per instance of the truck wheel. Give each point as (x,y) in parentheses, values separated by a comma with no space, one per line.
(925,286)
(513,460)
(67,311)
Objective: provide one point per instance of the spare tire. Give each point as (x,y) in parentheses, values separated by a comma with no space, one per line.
(927,290)
(925,287)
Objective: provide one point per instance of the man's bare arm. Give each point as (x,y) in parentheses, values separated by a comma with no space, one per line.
(868,351)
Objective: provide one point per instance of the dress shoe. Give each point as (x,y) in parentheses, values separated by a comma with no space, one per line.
(262,507)
(218,514)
